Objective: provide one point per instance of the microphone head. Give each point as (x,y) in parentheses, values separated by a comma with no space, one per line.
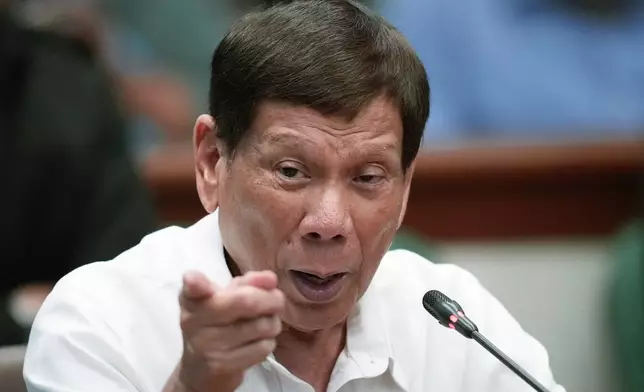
(430,299)
(448,313)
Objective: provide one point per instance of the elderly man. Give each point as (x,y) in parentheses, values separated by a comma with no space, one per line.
(304,164)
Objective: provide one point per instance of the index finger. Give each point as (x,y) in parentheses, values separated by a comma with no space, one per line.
(196,286)
(266,280)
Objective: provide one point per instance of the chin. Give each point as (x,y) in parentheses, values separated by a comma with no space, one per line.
(311,318)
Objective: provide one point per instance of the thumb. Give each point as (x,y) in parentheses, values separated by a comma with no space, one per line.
(196,286)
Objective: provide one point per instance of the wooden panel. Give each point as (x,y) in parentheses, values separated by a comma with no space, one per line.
(479,193)
(521,192)
(170,174)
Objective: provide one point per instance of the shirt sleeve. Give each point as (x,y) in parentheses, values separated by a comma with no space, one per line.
(71,350)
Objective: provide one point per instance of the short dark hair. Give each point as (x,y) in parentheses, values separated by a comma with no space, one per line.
(334,56)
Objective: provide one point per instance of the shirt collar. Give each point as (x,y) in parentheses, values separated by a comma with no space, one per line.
(368,340)
(207,249)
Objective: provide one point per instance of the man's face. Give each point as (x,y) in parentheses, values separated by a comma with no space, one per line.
(315,199)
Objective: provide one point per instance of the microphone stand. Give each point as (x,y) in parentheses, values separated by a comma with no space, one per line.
(518,370)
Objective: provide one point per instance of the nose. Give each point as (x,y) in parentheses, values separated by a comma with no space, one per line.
(327,218)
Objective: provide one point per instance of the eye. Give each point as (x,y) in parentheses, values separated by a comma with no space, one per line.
(369,179)
(290,172)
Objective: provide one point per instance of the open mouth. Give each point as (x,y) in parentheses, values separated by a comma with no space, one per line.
(315,279)
(317,288)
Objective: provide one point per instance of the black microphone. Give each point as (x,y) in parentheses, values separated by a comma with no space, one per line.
(450,314)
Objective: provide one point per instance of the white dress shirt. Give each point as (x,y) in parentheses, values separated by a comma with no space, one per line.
(114,326)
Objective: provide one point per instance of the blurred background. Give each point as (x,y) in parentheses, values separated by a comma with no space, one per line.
(531,174)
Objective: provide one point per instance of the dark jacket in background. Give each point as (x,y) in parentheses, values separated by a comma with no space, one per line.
(69,193)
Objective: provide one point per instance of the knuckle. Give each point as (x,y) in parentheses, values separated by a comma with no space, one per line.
(185,321)
(194,344)
(277,325)
(217,367)
(247,302)
(263,326)
(217,362)
(267,346)
(216,341)
(269,327)
(246,299)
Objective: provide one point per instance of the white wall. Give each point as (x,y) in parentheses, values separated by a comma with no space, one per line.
(558,292)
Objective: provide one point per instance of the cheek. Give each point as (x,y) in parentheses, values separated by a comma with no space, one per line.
(376,224)
(254,221)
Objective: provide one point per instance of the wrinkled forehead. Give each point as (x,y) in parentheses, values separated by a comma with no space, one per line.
(378,126)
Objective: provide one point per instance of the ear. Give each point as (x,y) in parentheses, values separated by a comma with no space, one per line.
(408,177)
(208,161)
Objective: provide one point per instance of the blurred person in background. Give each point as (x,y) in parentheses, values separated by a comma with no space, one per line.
(159,104)
(70,194)
(529,69)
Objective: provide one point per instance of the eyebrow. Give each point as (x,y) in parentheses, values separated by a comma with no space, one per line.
(377,148)
(284,138)
(290,139)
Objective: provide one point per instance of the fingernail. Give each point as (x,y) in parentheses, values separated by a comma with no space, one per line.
(189,278)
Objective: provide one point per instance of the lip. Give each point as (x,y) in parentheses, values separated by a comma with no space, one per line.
(322,292)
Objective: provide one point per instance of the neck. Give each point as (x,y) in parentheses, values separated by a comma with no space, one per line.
(311,356)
